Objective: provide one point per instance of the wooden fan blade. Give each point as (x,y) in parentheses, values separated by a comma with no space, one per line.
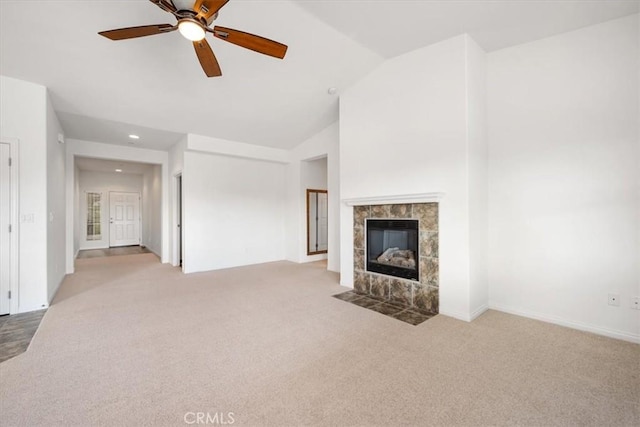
(207,8)
(207,59)
(165,5)
(251,41)
(133,32)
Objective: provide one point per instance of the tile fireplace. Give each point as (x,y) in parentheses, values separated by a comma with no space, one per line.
(396,254)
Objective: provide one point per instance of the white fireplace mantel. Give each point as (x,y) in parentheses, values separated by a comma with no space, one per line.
(396,199)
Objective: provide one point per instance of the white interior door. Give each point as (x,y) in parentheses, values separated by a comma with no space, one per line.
(5,235)
(323,214)
(124,219)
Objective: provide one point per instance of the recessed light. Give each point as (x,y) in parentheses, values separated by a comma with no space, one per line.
(132,136)
(332,90)
(118,170)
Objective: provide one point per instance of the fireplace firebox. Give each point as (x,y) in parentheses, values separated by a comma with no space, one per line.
(392,247)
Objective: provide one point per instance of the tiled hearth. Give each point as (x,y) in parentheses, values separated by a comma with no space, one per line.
(420,295)
(407,315)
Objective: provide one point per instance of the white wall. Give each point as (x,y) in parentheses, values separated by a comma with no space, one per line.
(152,209)
(324,144)
(314,174)
(333,186)
(234,210)
(114,152)
(478,158)
(233,203)
(103,183)
(176,164)
(211,166)
(176,156)
(404,130)
(23,109)
(564,205)
(56,203)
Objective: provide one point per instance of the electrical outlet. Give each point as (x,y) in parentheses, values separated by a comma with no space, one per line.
(635,303)
(614,299)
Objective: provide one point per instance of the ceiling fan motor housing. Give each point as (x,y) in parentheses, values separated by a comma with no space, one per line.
(187,8)
(183,4)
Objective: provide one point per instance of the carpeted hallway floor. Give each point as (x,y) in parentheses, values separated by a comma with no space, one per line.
(129,341)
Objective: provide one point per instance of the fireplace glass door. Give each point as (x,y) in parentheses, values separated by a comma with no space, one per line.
(392,247)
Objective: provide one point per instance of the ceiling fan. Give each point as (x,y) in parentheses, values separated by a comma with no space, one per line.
(194,21)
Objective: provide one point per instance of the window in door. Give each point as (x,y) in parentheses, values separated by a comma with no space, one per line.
(94,229)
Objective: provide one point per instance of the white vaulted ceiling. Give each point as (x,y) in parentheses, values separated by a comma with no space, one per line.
(156,82)
(393,27)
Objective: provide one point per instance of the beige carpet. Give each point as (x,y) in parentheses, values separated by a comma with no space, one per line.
(129,341)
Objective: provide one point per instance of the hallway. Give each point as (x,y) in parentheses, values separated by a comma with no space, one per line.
(123,250)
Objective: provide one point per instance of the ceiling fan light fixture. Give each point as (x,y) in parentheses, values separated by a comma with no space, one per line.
(191,30)
(195,18)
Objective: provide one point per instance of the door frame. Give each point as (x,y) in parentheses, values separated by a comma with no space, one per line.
(14,274)
(309,191)
(103,243)
(178,235)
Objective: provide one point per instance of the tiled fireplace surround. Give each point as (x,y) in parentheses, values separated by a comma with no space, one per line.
(421,295)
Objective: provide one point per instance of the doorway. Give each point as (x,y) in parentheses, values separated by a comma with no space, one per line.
(124,219)
(317,222)
(178,236)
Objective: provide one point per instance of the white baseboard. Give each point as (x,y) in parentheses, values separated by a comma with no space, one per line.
(346,284)
(625,336)
(455,314)
(56,289)
(477,312)
(32,308)
(467,317)
(93,247)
